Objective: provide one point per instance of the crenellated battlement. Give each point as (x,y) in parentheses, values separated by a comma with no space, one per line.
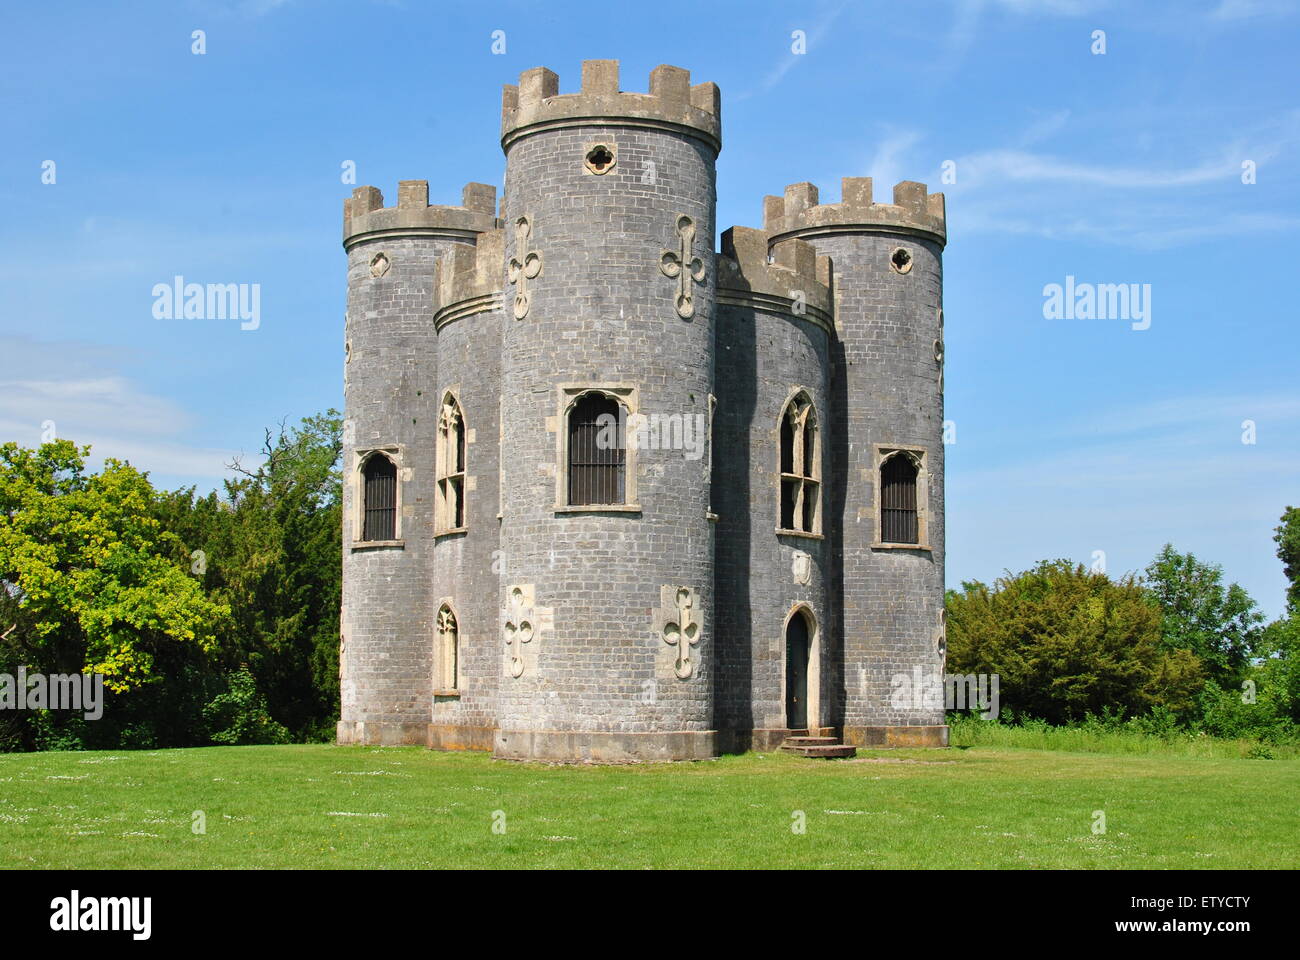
(797,214)
(468,279)
(796,279)
(672,103)
(366,218)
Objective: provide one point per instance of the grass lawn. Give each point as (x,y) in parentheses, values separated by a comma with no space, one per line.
(328,806)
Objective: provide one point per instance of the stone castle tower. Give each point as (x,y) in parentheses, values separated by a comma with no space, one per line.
(611,495)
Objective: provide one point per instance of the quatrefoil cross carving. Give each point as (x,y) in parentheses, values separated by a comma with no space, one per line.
(683,266)
(525,265)
(518,629)
(683,632)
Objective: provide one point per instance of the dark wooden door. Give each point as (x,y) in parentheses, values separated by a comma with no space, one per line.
(796,673)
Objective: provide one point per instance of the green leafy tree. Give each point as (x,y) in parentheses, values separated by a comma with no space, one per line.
(1278,671)
(89,583)
(271,550)
(1068,643)
(1265,704)
(88,568)
(240,716)
(1287,538)
(1221,625)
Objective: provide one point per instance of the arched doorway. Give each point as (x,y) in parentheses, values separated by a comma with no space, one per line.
(797,648)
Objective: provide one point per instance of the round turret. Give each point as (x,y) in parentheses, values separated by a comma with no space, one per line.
(607,377)
(888,283)
(389,439)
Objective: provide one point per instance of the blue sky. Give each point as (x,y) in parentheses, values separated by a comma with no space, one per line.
(1072,436)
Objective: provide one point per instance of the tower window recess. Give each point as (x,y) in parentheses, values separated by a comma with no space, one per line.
(800,467)
(597,451)
(448,655)
(899,521)
(379,482)
(449,512)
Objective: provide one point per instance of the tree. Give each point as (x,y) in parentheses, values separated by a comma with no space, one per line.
(1287,538)
(89,583)
(1222,626)
(87,567)
(271,549)
(1066,643)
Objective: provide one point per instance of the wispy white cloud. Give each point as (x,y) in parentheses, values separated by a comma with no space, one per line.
(1044,128)
(887,165)
(1085,194)
(105,401)
(1018,191)
(1067,8)
(1017,166)
(1125,479)
(968,15)
(1130,228)
(1252,9)
(70,389)
(788,62)
(244,8)
(1212,413)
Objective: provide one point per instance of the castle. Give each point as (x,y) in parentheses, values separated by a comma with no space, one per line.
(612,496)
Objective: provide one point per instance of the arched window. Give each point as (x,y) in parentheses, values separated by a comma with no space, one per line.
(597,451)
(449,512)
(898,513)
(800,467)
(379,498)
(448,652)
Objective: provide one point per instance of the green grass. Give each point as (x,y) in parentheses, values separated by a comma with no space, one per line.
(316,806)
(967,731)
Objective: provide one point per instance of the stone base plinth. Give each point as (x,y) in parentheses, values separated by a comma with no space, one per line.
(570,746)
(378,733)
(451,736)
(578,746)
(927,736)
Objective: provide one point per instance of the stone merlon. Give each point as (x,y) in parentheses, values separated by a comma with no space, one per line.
(469,273)
(366,218)
(672,103)
(798,214)
(796,274)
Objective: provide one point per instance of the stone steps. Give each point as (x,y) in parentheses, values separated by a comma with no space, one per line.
(826,748)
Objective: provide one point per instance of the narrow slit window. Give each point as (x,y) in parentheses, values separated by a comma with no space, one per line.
(448,650)
(450,508)
(800,467)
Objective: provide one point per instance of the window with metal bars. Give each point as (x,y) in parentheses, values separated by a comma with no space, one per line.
(597,451)
(379,499)
(800,464)
(449,512)
(898,513)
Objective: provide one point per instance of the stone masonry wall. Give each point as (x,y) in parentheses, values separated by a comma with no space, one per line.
(602,312)
(763,357)
(469,360)
(887,391)
(389,395)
